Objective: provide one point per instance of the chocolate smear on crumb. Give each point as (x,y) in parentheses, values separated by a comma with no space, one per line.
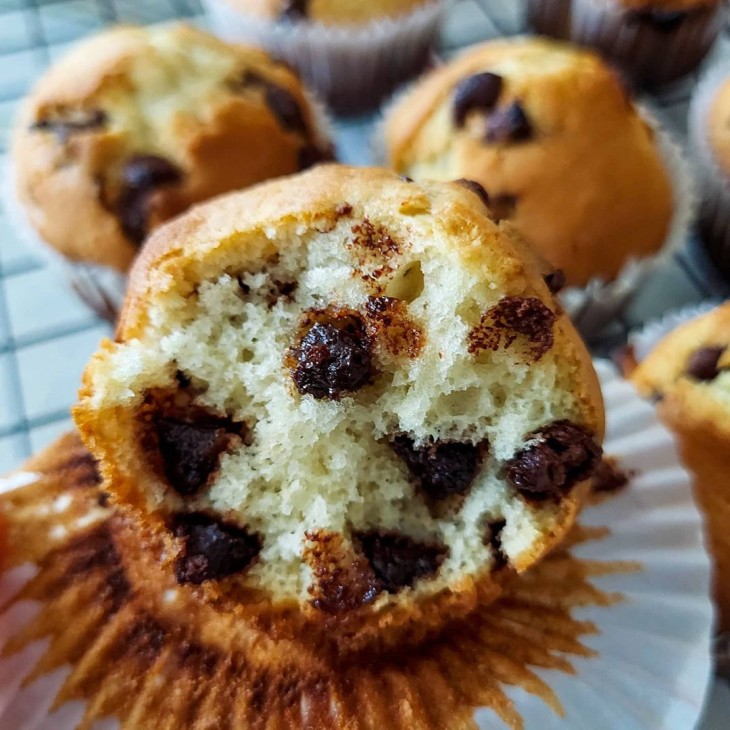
(609,476)
(513,319)
(392,325)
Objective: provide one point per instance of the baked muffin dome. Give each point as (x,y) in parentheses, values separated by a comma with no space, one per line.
(549,132)
(137,124)
(718,127)
(688,373)
(329,12)
(329,389)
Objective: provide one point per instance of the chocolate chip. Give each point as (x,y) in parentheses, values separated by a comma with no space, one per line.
(555,280)
(493,539)
(556,458)
(333,357)
(66,122)
(399,561)
(665,21)
(702,363)
(311,155)
(608,476)
(475,188)
(480,91)
(141,176)
(441,468)
(191,450)
(212,549)
(405,178)
(512,318)
(502,207)
(509,124)
(294,9)
(285,108)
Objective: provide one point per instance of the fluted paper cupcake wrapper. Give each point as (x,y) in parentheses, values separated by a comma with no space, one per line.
(714,183)
(610,630)
(646,56)
(351,67)
(593,307)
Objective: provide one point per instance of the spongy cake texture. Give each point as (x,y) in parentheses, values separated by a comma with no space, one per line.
(136,124)
(361,383)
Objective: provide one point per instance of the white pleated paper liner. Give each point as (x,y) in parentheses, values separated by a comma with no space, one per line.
(351,67)
(652,665)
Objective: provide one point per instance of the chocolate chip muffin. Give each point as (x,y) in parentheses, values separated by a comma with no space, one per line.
(353,52)
(549,132)
(329,390)
(688,374)
(137,124)
(651,41)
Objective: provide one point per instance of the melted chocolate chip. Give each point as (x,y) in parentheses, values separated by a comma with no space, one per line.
(333,357)
(556,458)
(399,561)
(493,539)
(311,155)
(141,176)
(513,318)
(212,549)
(509,124)
(295,9)
(66,122)
(191,448)
(665,21)
(608,476)
(702,363)
(555,280)
(475,188)
(480,91)
(441,468)
(502,206)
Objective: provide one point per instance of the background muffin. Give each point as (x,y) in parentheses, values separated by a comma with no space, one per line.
(549,132)
(352,51)
(137,124)
(709,136)
(688,373)
(651,41)
(348,392)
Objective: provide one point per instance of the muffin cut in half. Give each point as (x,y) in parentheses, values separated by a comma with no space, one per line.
(347,393)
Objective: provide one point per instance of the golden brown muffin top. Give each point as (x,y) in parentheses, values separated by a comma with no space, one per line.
(718,127)
(550,133)
(329,12)
(137,124)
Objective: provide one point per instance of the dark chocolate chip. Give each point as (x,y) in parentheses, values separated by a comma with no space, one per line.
(102,499)
(555,280)
(480,91)
(333,358)
(665,21)
(702,363)
(311,155)
(399,561)
(295,9)
(502,206)
(493,538)
(475,188)
(141,176)
(212,549)
(285,108)
(608,476)
(66,122)
(556,458)
(509,124)
(191,451)
(441,468)
(512,318)
(407,179)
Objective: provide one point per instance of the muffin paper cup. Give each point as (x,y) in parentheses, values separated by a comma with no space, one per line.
(646,55)
(595,306)
(612,630)
(352,68)
(714,183)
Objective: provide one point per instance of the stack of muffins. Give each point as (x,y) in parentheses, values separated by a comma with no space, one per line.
(344,406)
